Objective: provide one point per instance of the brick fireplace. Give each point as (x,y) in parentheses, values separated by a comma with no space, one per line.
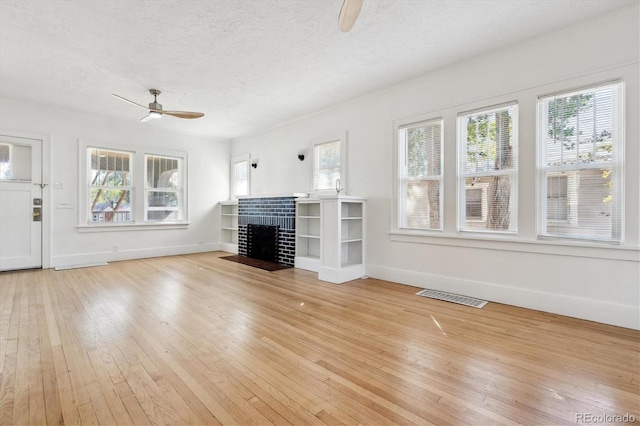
(273,211)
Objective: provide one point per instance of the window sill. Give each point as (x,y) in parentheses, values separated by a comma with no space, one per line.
(132,227)
(509,242)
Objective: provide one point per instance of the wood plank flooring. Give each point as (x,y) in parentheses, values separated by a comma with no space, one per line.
(198,340)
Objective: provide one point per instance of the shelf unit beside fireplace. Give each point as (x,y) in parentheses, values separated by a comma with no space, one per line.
(330,237)
(229,226)
(308,239)
(342,255)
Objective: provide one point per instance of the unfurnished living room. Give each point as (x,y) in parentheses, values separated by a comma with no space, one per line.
(327,212)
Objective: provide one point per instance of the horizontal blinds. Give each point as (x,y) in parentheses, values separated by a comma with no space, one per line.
(488,168)
(580,142)
(422,170)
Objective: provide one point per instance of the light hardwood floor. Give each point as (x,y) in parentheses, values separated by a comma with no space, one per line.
(199,340)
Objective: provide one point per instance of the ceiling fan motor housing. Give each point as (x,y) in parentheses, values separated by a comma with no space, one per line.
(155,105)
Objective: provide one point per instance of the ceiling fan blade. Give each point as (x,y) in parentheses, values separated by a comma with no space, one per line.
(349,14)
(184,114)
(128,101)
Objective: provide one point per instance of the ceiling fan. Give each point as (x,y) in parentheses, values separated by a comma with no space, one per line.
(156,111)
(348,14)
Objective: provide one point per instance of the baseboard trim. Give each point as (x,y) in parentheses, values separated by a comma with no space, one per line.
(77,259)
(627,316)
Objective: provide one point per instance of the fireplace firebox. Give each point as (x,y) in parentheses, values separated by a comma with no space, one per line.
(262,242)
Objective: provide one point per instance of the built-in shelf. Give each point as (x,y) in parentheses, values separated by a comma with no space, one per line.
(308,234)
(330,237)
(229,226)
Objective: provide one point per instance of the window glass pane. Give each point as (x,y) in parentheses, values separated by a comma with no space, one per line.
(422,204)
(423,150)
(109,185)
(163,206)
(110,205)
(580,128)
(163,198)
(241,171)
(489,167)
(15,162)
(421,146)
(489,141)
(162,172)
(326,165)
(580,203)
(580,140)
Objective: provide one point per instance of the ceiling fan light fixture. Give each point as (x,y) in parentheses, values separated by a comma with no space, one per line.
(155,114)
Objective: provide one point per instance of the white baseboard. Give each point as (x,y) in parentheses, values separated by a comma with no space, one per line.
(83,258)
(589,309)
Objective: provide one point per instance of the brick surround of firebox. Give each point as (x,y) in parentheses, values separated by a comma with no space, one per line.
(275,211)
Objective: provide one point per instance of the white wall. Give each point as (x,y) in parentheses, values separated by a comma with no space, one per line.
(208,168)
(597,282)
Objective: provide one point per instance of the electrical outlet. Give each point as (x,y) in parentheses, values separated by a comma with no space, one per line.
(115,248)
(58,185)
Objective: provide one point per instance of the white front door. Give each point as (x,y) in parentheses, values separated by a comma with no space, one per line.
(21,208)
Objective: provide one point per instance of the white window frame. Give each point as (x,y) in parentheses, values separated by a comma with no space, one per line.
(339,137)
(512,173)
(138,192)
(617,166)
(232,175)
(402,176)
(89,186)
(180,191)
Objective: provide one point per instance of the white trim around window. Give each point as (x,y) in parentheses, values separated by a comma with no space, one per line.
(580,164)
(488,159)
(129,167)
(420,175)
(329,163)
(240,176)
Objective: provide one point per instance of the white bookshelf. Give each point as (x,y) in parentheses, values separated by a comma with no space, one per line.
(308,234)
(229,226)
(330,237)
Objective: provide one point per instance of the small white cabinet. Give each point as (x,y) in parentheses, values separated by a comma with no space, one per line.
(229,226)
(330,237)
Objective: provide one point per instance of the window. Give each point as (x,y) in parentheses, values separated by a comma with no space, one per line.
(125,188)
(487,172)
(15,162)
(328,165)
(240,174)
(420,146)
(109,189)
(163,191)
(580,164)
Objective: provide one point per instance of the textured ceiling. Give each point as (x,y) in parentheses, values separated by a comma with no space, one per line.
(249,65)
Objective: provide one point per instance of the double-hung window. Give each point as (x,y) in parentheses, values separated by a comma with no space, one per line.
(109,189)
(327,165)
(126,188)
(487,170)
(164,188)
(580,164)
(420,154)
(240,175)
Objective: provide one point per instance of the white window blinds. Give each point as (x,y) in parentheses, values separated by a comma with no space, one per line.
(580,164)
(487,171)
(420,146)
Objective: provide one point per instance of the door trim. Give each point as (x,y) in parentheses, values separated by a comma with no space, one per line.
(46,191)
